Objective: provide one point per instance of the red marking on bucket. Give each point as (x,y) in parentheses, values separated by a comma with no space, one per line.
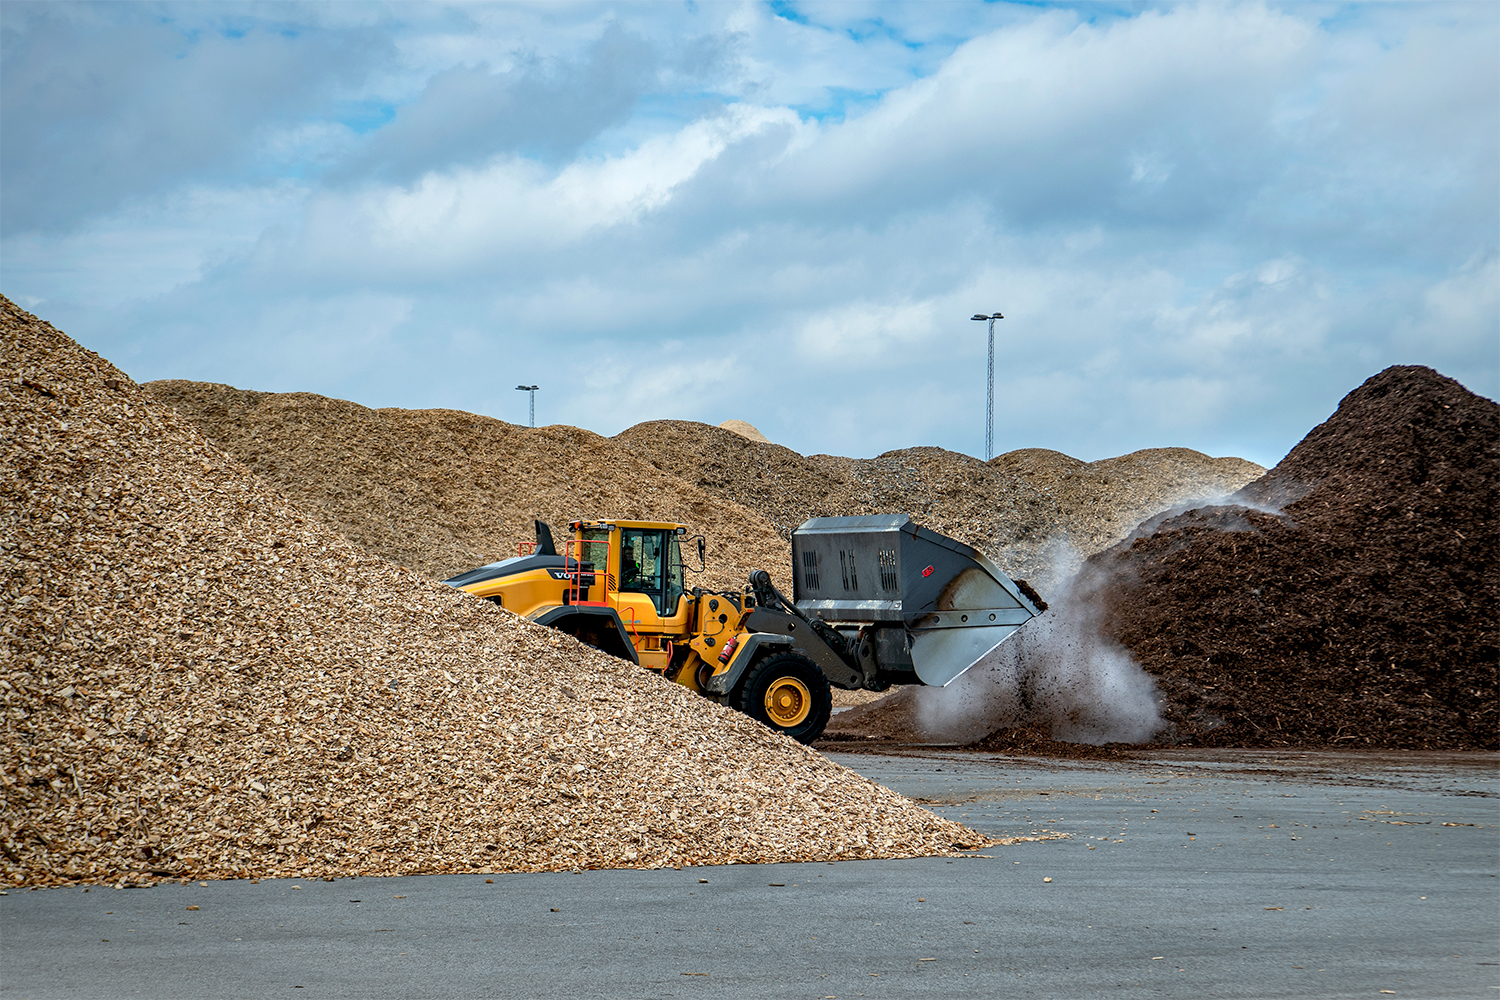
(927,571)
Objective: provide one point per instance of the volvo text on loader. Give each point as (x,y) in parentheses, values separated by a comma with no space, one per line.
(876,601)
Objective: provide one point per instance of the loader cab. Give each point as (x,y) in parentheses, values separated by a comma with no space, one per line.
(651,564)
(645,560)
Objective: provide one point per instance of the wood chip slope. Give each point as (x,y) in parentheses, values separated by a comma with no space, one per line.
(1037,512)
(1363,615)
(200,678)
(444,491)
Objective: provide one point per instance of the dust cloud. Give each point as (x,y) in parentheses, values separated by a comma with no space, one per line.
(1059,673)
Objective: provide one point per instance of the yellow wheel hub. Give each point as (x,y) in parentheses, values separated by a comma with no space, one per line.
(788,701)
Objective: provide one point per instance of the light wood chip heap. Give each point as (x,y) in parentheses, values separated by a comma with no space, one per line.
(1024,508)
(444,491)
(745,430)
(201,679)
(1100,503)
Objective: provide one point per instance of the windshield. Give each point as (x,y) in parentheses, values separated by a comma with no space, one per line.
(651,564)
(641,561)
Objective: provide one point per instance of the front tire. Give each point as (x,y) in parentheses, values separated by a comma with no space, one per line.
(788,693)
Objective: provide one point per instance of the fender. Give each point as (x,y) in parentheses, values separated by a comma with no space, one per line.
(808,643)
(567,617)
(721,684)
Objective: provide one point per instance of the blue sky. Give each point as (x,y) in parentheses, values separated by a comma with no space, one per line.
(1203,223)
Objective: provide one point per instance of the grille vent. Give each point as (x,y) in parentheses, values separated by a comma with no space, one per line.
(810,570)
(888,569)
(846,566)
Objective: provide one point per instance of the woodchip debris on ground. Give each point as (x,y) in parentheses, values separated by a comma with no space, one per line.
(200,677)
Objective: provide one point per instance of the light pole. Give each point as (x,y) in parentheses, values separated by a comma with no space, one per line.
(533,388)
(989,404)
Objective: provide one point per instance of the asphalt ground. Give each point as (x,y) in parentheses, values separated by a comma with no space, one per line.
(1233,874)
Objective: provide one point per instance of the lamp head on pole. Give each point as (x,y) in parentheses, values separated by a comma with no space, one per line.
(528,388)
(979,317)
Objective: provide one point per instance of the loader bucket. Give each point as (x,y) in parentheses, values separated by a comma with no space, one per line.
(955,604)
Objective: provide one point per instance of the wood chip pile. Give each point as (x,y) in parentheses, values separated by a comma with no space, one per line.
(746,430)
(200,678)
(1100,503)
(1363,615)
(443,491)
(1035,511)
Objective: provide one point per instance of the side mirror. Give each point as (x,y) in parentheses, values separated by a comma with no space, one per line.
(702,549)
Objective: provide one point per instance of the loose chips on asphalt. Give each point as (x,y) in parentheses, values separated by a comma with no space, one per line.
(200,678)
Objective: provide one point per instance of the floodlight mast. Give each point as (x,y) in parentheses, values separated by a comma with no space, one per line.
(531,389)
(989,402)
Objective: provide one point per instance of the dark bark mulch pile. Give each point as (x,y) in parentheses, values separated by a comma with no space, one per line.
(1364,614)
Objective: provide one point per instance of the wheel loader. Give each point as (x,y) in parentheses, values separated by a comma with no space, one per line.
(876,601)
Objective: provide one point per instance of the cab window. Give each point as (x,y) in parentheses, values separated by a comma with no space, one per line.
(676,583)
(593,547)
(642,564)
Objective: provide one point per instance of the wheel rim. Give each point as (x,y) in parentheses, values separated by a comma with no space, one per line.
(788,701)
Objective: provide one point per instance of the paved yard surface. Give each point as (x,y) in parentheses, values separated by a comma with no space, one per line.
(1182,875)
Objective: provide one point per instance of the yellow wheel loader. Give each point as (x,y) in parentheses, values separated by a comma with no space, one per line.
(877,601)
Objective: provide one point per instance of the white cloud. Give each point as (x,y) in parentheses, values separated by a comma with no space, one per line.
(1460,315)
(148,246)
(1204,224)
(465,218)
(855,333)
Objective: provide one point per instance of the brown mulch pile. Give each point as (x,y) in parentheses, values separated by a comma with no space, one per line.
(201,678)
(895,730)
(1364,615)
(895,722)
(444,491)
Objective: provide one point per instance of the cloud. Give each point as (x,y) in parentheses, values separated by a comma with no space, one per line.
(1059,120)
(466,220)
(863,329)
(1204,224)
(1459,320)
(467,114)
(102,105)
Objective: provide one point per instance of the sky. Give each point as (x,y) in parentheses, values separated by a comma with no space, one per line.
(1203,224)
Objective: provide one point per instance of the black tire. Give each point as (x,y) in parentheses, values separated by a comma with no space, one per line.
(787,678)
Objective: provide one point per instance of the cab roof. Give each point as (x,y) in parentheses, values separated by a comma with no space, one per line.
(619,523)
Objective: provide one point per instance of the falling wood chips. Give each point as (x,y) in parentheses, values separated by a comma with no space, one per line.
(202,679)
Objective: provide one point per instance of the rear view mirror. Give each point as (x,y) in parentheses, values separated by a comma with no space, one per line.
(702,554)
